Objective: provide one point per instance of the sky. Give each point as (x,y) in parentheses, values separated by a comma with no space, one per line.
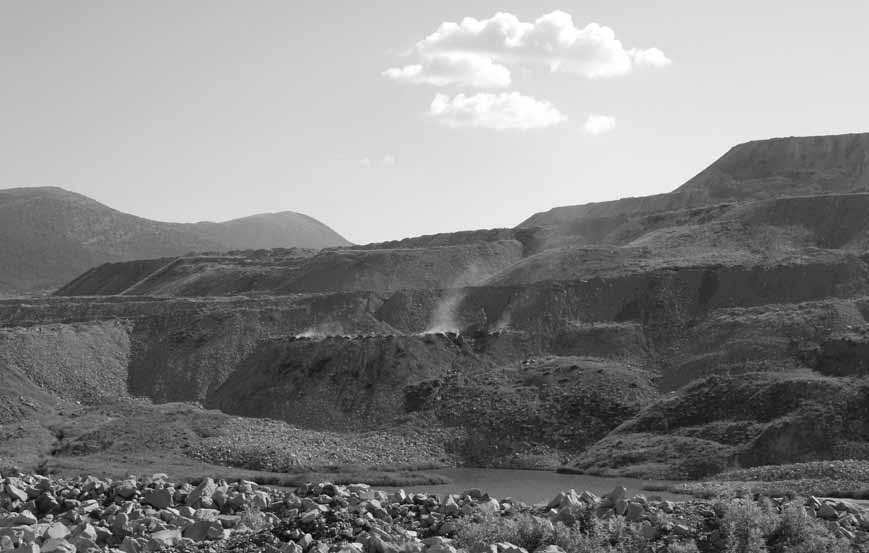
(394,118)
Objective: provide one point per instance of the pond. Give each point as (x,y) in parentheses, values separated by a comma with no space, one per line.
(530,486)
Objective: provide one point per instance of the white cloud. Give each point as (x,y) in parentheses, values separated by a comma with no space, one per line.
(504,111)
(447,69)
(476,52)
(651,57)
(599,124)
(388,160)
(365,162)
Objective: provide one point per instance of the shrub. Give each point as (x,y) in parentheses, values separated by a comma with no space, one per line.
(758,527)
(524,530)
(573,540)
(796,531)
(745,525)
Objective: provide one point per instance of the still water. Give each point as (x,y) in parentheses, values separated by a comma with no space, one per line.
(530,486)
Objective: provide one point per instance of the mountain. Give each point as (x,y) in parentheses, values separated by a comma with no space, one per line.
(762,169)
(723,324)
(50,235)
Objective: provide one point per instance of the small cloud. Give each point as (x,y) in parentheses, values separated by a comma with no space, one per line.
(365,162)
(651,57)
(448,69)
(504,111)
(599,124)
(388,160)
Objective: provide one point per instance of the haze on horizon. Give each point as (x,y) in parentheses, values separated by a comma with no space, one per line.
(386,123)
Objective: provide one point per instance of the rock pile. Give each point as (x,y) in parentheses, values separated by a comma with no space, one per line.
(843,518)
(39,514)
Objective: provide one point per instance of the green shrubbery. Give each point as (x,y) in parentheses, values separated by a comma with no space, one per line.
(741,526)
(532,532)
(758,527)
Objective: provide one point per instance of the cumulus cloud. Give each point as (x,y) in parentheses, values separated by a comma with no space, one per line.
(448,69)
(503,111)
(651,57)
(599,124)
(478,52)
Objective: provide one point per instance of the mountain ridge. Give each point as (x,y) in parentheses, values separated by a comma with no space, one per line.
(789,166)
(51,235)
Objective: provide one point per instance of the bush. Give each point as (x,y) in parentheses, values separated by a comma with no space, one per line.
(524,530)
(799,532)
(745,525)
(531,532)
(758,527)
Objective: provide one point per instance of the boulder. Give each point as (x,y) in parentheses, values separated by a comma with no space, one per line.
(490,506)
(57,531)
(305,542)
(827,512)
(47,503)
(220,496)
(57,546)
(450,507)
(84,545)
(24,518)
(86,531)
(127,489)
(618,494)
(635,511)
(620,507)
(167,538)
(159,498)
(16,493)
(204,529)
(681,530)
(201,496)
(132,545)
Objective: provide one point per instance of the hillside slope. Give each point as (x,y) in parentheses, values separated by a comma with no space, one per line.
(724,324)
(49,236)
(762,169)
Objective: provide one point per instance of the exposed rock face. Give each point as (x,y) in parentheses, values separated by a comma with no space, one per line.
(579,326)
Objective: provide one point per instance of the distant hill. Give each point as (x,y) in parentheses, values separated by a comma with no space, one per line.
(50,235)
